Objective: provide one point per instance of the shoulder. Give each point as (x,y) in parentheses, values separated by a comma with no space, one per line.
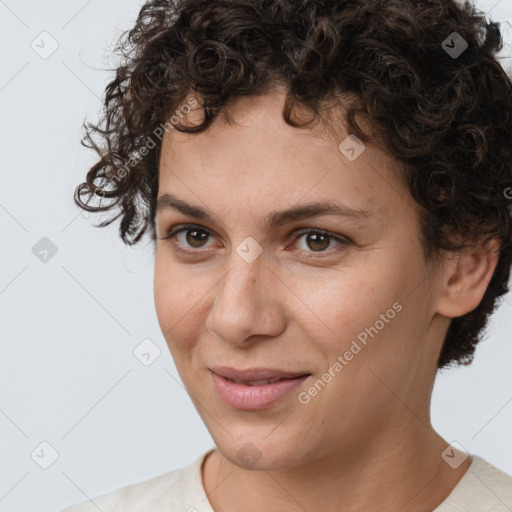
(483,487)
(180,487)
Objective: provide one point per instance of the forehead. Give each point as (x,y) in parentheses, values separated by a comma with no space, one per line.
(256,159)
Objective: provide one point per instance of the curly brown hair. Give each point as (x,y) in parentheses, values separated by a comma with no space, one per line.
(446,117)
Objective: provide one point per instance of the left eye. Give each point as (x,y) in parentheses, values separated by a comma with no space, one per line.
(318,240)
(315,239)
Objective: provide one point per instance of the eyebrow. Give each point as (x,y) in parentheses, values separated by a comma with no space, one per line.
(273,219)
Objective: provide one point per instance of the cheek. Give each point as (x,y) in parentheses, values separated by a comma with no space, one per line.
(177,297)
(183,298)
(364,316)
(342,305)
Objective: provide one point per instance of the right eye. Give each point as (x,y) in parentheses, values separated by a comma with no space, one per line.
(194,237)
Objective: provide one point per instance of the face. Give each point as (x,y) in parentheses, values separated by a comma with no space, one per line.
(344,299)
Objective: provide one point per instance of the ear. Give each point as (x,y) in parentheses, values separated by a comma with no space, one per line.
(466,277)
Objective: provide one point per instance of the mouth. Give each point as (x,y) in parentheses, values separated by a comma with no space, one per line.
(256,388)
(255,375)
(260,382)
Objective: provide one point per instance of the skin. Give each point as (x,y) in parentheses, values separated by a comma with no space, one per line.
(365,441)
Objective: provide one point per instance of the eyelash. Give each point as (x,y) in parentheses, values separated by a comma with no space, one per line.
(172,232)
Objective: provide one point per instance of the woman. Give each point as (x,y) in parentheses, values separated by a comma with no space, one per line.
(325,184)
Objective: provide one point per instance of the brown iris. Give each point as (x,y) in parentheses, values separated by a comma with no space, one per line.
(313,239)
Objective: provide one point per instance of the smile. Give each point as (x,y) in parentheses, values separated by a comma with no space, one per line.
(251,395)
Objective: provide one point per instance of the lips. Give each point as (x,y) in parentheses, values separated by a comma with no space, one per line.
(256,376)
(248,393)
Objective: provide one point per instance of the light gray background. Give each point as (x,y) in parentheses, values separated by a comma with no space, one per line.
(68,375)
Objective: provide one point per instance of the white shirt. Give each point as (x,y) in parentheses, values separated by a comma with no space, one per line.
(483,488)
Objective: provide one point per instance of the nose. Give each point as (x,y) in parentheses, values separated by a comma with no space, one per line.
(247,303)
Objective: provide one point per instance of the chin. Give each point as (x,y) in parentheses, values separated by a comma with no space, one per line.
(260,454)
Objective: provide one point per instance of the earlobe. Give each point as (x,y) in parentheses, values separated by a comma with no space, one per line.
(466,278)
